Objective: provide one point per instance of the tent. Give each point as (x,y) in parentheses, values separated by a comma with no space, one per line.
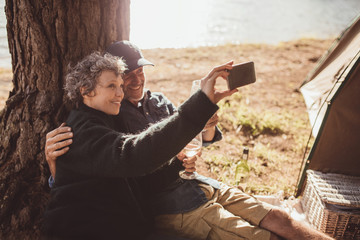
(332,96)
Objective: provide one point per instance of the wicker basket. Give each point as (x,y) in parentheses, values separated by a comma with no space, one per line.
(332,204)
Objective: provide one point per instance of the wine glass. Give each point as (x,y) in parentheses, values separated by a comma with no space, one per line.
(190,150)
(195,86)
(194,146)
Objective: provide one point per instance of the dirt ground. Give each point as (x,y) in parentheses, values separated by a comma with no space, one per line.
(274,159)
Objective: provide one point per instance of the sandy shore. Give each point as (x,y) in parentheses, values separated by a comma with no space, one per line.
(5,85)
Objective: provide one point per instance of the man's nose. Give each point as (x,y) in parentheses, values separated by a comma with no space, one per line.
(135,79)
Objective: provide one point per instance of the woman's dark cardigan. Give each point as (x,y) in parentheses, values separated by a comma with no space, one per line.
(92,198)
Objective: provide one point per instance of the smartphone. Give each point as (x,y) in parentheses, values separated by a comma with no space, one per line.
(241,74)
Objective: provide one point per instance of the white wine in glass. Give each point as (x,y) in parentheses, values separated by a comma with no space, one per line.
(190,150)
(193,147)
(195,86)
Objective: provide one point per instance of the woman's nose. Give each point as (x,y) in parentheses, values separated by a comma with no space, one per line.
(119,91)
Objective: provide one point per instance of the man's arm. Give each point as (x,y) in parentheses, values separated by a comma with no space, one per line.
(210,128)
(57,144)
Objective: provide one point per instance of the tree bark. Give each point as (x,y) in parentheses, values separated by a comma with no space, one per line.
(44,37)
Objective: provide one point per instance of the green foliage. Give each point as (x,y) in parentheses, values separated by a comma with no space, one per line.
(241,117)
(275,136)
(236,114)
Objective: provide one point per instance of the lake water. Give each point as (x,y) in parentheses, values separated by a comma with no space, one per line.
(191,23)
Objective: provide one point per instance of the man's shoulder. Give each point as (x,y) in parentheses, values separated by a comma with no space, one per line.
(155,94)
(157,97)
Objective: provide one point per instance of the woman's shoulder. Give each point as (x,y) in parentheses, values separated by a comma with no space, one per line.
(81,117)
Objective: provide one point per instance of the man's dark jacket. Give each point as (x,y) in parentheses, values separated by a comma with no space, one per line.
(92,198)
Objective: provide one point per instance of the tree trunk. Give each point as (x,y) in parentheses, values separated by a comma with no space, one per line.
(44,37)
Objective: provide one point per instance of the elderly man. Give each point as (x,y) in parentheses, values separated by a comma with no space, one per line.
(198,209)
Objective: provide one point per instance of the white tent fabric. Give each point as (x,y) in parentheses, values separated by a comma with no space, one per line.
(325,81)
(332,96)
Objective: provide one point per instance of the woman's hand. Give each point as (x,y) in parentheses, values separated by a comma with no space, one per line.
(208,82)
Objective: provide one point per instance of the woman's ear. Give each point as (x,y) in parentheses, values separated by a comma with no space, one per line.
(82,90)
(83,94)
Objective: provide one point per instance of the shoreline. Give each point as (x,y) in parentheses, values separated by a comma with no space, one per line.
(5,85)
(246,43)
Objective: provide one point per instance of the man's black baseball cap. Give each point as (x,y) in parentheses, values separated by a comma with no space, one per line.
(130,53)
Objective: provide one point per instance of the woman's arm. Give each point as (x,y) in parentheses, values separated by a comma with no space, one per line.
(98,150)
(111,154)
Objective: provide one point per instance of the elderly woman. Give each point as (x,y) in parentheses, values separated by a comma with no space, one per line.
(92,197)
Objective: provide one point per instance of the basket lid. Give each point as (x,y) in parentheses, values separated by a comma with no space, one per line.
(338,189)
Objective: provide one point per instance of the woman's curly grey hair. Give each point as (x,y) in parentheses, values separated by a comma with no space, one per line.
(84,75)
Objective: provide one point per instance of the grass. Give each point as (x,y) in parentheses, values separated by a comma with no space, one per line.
(239,116)
(270,135)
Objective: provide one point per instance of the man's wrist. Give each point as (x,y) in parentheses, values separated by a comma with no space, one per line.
(209,134)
